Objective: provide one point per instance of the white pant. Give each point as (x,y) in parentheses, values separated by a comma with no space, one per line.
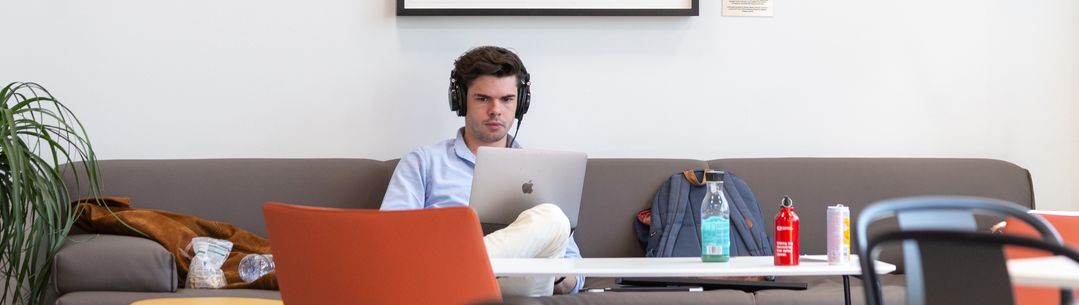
(539,232)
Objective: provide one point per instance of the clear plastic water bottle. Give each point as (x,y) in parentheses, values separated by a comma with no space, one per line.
(715,220)
(254,266)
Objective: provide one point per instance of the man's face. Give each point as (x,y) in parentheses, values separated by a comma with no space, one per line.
(492,101)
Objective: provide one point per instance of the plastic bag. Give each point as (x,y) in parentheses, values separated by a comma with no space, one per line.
(205,268)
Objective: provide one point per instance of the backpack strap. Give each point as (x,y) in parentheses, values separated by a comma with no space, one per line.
(681,211)
(745,205)
(691,176)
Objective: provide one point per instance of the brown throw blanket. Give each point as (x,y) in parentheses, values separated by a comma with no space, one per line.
(174,231)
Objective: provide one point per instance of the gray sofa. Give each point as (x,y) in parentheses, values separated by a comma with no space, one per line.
(126,269)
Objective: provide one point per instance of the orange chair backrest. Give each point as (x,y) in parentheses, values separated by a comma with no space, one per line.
(1067,224)
(334,256)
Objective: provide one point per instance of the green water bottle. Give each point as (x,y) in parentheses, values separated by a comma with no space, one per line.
(715,220)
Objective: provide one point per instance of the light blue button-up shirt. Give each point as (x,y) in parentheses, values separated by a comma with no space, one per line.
(440,175)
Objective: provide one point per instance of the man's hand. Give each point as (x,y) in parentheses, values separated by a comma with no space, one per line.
(565,285)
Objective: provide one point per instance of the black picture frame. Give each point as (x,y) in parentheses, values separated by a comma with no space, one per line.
(694,10)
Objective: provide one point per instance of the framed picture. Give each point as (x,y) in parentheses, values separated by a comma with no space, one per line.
(547,7)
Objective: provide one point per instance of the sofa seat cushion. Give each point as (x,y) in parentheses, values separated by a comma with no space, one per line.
(821,290)
(828,290)
(117,297)
(101,262)
(715,297)
(125,298)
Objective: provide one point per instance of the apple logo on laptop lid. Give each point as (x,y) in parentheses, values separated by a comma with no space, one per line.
(527,187)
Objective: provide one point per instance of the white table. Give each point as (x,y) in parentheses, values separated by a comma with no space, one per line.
(810,265)
(675,267)
(1051,271)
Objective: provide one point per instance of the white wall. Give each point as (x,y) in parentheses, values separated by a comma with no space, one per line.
(346,78)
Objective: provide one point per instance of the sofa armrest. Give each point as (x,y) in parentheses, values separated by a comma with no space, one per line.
(101,262)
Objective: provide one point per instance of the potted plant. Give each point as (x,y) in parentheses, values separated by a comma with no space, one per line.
(38,136)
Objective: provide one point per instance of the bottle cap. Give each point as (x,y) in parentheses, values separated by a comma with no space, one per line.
(786,202)
(713,176)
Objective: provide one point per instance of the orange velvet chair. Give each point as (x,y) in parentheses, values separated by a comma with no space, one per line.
(335,256)
(1067,225)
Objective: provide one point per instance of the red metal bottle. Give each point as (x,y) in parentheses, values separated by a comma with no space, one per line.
(787,238)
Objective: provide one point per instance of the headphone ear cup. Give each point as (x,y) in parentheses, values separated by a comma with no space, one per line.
(462,102)
(457,102)
(453,97)
(523,103)
(524,93)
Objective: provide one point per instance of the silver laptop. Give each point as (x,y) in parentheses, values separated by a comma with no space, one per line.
(508,181)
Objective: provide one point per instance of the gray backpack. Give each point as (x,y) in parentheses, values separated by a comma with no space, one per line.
(676,213)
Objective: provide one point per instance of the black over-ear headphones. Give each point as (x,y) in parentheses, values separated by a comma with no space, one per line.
(459,92)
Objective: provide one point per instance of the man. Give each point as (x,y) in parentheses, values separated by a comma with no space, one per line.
(489,87)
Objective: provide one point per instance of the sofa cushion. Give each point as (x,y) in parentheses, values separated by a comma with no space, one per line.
(725,297)
(828,290)
(820,290)
(98,262)
(125,298)
(233,190)
(614,191)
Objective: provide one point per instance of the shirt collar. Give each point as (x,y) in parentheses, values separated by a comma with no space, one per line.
(462,151)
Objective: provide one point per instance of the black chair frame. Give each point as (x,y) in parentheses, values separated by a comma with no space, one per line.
(1051,241)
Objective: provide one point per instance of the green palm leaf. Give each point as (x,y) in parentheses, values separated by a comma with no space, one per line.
(38,135)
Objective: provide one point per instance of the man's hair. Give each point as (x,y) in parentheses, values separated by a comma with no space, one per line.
(488,60)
